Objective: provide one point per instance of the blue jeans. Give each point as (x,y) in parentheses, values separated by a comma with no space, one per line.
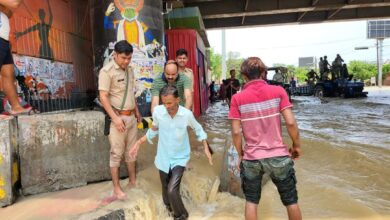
(281,171)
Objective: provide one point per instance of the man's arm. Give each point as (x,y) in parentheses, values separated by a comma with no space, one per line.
(293,132)
(155,102)
(188,97)
(118,122)
(236,85)
(237,141)
(137,113)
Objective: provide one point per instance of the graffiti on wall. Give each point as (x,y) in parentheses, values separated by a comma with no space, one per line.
(43,79)
(43,29)
(2,180)
(140,23)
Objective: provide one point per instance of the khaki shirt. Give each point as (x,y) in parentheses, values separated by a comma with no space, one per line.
(190,75)
(113,80)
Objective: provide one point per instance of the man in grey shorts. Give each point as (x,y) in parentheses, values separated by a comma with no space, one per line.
(256,110)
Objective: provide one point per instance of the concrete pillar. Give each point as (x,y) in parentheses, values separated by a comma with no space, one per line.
(62,150)
(8,160)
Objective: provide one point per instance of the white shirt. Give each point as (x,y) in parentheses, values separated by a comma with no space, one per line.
(4,26)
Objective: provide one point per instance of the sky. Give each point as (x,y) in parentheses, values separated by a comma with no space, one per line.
(286,43)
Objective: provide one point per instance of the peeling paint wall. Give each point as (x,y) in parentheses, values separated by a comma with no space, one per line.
(9,174)
(63,150)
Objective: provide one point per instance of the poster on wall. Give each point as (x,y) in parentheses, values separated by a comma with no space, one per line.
(139,22)
(43,79)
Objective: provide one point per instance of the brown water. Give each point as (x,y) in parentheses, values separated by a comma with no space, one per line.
(343,174)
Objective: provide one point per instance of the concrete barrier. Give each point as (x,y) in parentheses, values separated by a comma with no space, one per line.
(8,160)
(62,150)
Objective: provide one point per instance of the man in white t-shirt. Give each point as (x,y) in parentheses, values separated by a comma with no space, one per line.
(6,61)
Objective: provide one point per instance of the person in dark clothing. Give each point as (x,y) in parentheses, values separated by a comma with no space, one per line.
(233,85)
(326,64)
(293,85)
(345,74)
(212,91)
(222,90)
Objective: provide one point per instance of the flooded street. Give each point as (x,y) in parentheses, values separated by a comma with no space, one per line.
(343,174)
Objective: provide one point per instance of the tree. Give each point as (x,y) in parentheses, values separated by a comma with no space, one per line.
(386,70)
(362,70)
(216,65)
(234,62)
(298,72)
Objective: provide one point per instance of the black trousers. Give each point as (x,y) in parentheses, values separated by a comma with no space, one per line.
(171,191)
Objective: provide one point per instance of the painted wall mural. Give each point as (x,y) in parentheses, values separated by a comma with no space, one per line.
(43,29)
(54,38)
(140,22)
(42,79)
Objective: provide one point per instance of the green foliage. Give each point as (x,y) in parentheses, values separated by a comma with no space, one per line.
(298,72)
(386,70)
(216,65)
(362,70)
(233,62)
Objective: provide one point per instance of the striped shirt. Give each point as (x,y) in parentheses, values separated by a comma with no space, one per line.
(258,108)
(182,83)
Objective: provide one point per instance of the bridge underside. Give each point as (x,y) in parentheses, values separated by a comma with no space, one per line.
(243,13)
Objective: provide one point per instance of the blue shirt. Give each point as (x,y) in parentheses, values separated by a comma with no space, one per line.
(173,148)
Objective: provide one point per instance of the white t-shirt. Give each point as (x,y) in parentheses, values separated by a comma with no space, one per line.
(4,26)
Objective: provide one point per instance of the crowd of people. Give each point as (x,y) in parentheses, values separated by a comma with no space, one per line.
(338,69)
(255,115)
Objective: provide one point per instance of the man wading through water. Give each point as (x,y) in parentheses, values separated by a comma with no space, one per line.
(256,110)
(170,122)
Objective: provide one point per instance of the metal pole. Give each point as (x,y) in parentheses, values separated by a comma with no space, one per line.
(223,54)
(379,48)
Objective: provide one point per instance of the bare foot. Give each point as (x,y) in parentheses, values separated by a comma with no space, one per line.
(4,117)
(130,185)
(20,110)
(119,194)
(108,200)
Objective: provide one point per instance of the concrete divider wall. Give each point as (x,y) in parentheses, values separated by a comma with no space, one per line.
(8,160)
(62,150)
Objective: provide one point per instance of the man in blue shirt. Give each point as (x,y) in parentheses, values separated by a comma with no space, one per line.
(170,123)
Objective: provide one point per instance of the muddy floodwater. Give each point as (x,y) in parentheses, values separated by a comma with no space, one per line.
(343,174)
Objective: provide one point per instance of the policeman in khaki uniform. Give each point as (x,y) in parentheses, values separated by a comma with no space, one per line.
(182,60)
(116,91)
